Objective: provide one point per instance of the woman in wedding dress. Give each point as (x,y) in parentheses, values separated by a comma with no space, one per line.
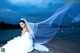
(42,32)
(23,43)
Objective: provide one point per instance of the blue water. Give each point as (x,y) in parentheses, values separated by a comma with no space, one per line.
(71,33)
(9,34)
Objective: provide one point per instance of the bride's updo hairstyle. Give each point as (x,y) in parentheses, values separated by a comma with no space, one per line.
(22,21)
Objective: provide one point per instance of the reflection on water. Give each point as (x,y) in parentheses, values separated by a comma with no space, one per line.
(72,33)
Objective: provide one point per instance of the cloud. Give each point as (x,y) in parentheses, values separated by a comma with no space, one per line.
(37,3)
(7,10)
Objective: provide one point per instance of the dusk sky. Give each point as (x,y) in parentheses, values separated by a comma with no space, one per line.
(11,11)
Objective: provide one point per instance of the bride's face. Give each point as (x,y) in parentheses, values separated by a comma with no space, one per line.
(22,25)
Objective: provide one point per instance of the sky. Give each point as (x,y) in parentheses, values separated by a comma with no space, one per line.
(11,11)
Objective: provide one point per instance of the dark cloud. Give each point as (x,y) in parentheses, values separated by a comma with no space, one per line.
(9,9)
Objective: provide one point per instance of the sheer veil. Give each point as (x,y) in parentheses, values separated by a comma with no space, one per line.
(44,31)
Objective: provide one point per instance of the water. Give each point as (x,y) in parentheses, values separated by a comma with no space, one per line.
(59,45)
(72,33)
(9,34)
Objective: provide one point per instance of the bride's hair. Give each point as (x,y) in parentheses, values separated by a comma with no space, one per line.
(22,21)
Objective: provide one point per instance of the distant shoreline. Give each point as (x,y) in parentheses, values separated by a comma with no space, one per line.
(4,25)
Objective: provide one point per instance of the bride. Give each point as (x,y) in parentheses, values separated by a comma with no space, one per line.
(42,32)
(23,43)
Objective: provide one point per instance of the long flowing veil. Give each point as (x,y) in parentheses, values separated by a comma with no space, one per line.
(45,30)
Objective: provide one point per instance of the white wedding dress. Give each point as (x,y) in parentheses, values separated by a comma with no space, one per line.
(20,44)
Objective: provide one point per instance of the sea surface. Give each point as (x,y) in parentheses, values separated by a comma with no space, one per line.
(67,40)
